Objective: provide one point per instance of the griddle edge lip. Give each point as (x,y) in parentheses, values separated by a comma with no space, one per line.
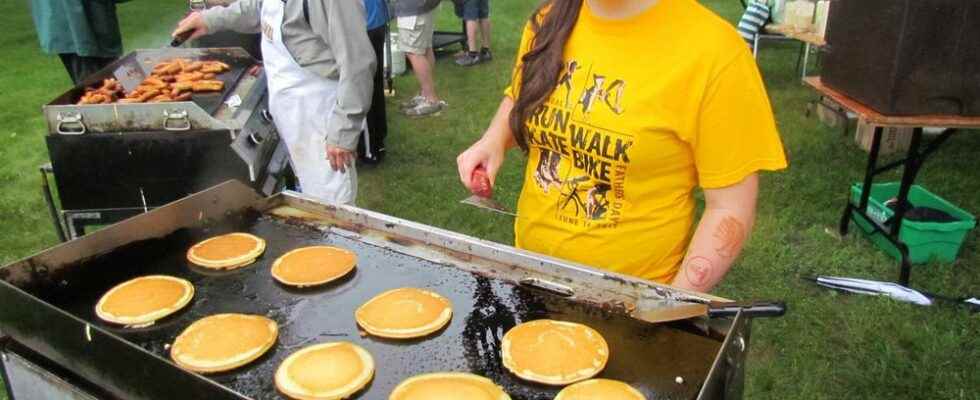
(721,371)
(217,201)
(93,330)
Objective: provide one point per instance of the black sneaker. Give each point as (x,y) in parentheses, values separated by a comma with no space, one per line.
(471,58)
(376,158)
(485,54)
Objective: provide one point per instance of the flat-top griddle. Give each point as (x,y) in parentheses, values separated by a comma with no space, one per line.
(485,291)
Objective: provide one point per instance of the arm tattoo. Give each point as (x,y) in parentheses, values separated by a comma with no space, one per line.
(730,234)
(698,270)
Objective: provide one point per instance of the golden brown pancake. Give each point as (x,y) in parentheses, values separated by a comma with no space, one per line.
(448,386)
(141,301)
(605,389)
(228,251)
(554,352)
(404,313)
(224,341)
(314,265)
(325,371)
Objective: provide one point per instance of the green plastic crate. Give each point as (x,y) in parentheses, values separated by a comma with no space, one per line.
(926,240)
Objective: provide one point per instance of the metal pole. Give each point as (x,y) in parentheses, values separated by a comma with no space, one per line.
(870,172)
(389,82)
(911,170)
(49,201)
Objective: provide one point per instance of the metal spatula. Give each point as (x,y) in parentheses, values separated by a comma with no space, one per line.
(672,310)
(482,196)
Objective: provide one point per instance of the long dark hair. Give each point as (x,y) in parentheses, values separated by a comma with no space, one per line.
(552,24)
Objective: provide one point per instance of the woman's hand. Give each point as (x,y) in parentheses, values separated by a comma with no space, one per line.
(489,152)
(485,155)
(193,23)
(339,158)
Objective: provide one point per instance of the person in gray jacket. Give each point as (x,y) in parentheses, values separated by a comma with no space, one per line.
(320,67)
(416,24)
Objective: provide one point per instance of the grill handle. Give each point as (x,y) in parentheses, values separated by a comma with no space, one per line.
(550,287)
(255,138)
(750,309)
(70,123)
(176,120)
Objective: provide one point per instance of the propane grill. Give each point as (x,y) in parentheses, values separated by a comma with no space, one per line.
(49,302)
(111,161)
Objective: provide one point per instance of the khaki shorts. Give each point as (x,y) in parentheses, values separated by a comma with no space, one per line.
(415,33)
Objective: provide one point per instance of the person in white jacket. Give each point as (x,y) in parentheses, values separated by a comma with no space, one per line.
(319,66)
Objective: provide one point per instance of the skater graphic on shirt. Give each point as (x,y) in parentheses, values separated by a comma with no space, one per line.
(546,174)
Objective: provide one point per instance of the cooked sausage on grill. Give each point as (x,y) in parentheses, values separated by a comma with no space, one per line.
(171,80)
(207,86)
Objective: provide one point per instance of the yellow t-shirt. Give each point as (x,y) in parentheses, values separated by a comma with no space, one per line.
(646,109)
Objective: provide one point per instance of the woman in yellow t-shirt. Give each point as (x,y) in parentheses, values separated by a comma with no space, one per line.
(623,109)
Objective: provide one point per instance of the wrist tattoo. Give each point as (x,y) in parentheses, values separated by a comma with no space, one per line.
(698,270)
(730,234)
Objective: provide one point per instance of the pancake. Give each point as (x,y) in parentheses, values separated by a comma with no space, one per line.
(314,265)
(140,302)
(230,251)
(404,313)
(222,342)
(325,371)
(605,389)
(554,352)
(448,386)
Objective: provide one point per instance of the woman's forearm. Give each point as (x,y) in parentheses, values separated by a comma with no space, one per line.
(499,132)
(724,228)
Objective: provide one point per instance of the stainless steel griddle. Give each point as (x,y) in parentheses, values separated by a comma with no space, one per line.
(49,301)
(204,111)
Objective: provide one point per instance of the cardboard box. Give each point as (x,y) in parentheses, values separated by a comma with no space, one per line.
(893,140)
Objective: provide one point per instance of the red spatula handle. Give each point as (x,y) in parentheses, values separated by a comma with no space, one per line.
(481,183)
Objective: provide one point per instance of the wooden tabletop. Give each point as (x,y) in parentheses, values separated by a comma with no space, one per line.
(875,118)
(796,33)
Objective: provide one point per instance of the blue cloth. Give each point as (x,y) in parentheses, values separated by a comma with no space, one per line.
(755,17)
(377,13)
(88,28)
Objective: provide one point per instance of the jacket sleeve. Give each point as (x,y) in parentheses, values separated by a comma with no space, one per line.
(343,26)
(241,16)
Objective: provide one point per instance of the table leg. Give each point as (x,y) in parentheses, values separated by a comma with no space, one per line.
(870,171)
(799,57)
(911,170)
(845,218)
(806,58)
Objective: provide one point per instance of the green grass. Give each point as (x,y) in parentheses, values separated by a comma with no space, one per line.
(828,346)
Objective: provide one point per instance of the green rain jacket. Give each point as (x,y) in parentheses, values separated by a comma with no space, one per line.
(88,28)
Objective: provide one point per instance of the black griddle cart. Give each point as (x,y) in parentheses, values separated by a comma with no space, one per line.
(55,346)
